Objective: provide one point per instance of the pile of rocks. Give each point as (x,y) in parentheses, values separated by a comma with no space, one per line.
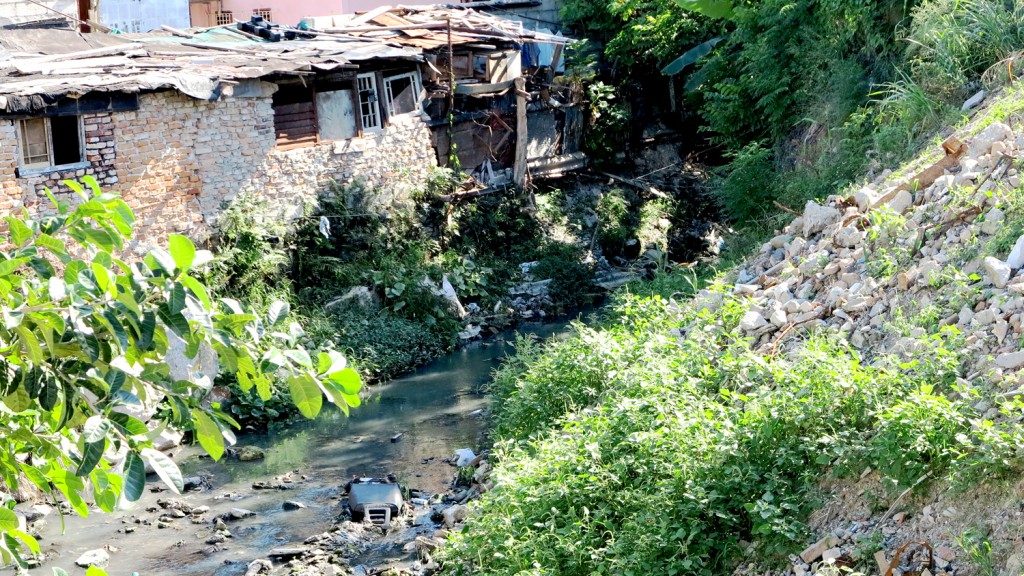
(822,270)
(860,262)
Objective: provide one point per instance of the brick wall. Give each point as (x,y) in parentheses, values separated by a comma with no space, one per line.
(178,162)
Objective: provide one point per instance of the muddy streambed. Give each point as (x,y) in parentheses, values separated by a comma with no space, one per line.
(436,409)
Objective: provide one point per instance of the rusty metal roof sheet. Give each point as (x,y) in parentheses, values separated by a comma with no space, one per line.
(38,67)
(429,27)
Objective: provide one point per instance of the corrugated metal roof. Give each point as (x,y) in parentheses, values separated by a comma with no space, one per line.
(427,27)
(37,67)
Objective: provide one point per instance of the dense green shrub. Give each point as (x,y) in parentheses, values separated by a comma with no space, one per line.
(658,441)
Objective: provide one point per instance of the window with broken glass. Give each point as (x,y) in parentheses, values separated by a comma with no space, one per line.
(403,94)
(369,107)
(50,142)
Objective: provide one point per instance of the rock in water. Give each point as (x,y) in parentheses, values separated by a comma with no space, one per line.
(259,567)
(250,453)
(454,515)
(97,557)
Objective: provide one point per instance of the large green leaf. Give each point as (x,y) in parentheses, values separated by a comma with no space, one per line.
(134,477)
(28,540)
(95,429)
(8,520)
(690,56)
(209,434)
(128,425)
(197,289)
(91,454)
(330,362)
(306,395)
(183,251)
(165,468)
(278,312)
(20,232)
(300,357)
(9,266)
(159,258)
(348,379)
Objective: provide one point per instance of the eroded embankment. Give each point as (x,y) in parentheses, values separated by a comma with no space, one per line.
(854,385)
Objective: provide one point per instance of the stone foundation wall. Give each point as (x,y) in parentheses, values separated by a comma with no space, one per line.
(179,162)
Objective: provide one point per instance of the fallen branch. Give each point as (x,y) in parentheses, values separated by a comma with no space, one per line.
(785,208)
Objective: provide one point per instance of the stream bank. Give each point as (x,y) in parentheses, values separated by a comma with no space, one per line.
(291,498)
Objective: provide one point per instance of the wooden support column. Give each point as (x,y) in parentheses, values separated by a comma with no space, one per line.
(519,170)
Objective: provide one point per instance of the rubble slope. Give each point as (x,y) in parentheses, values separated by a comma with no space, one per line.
(936,248)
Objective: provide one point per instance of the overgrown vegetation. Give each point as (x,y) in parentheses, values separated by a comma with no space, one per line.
(367,274)
(658,441)
(799,97)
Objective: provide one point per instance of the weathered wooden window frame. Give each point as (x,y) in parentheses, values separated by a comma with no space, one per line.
(28,168)
(416,86)
(374,81)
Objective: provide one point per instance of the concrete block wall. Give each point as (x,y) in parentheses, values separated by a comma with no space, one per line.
(179,162)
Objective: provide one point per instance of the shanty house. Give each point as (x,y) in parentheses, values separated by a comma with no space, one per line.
(120,15)
(180,128)
(471,63)
(183,123)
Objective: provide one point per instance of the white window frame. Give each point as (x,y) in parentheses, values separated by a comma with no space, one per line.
(414,78)
(49,165)
(371,123)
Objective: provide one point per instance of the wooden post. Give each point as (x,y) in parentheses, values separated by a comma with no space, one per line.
(519,171)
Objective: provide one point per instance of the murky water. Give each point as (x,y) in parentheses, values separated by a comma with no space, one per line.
(434,409)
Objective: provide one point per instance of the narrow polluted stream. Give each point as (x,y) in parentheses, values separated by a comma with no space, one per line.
(408,428)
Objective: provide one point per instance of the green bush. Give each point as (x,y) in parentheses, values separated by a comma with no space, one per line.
(384,345)
(572,278)
(658,441)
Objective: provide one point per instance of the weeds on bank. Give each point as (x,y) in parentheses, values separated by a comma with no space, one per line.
(658,441)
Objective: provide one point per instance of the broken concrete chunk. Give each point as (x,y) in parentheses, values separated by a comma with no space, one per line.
(993,221)
(781,240)
(831,554)
(997,271)
(97,557)
(881,561)
(752,322)
(1010,360)
(973,101)
(848,237)
(814,551)
(817,217)
(903,200)
(1016,258)
(982,143)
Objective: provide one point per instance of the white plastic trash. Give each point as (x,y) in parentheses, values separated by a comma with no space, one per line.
(463,457)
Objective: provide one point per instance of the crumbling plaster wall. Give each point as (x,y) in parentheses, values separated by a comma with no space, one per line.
(179,162)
